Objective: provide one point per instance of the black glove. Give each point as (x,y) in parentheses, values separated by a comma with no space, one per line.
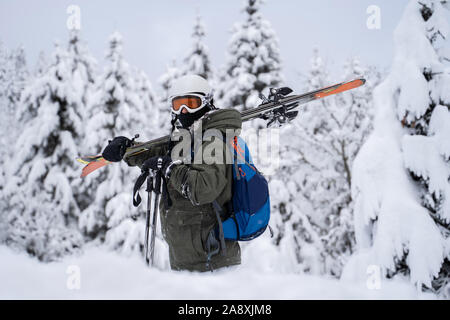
(152,163)
(116,149)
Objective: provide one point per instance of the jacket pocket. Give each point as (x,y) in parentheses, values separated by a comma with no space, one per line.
(184,237)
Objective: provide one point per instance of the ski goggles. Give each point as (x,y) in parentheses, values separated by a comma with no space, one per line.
(191,102)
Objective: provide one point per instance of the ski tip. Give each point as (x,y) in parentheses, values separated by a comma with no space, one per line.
(92,166)
(362,81)
(354,83)
(342,87)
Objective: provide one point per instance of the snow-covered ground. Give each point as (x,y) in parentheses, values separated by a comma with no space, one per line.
(108,275)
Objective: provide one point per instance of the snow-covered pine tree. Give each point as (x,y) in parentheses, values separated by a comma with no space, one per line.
(298,226)
(253,60)
(3,69)
(165,82)
(116,110)
(401,176)
(41,64)
(433,174)
(151,117)
(197,59)
(316,208)
(351,123)
(3,138)
(42,212)
(16,76)
(13,78)
(83,66)
(5,65)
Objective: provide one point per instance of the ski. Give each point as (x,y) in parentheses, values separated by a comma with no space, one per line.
(92,163)
(277,107)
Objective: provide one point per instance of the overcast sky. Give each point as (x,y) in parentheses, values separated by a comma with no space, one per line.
(156,32)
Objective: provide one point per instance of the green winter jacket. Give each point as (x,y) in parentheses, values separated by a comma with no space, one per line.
(188,220)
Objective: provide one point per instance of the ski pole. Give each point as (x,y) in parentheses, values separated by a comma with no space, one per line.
(147,218)
(157,191)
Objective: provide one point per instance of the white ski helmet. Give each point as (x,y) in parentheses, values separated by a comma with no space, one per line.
(189,84)
(190,90)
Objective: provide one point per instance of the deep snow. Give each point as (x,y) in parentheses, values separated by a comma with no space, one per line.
(108,275)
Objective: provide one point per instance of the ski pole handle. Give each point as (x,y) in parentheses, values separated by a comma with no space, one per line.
(158,180)
(149,183)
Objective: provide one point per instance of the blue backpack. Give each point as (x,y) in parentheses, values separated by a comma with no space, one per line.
(251,203)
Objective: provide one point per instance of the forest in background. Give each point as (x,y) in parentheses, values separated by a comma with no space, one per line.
(363,177)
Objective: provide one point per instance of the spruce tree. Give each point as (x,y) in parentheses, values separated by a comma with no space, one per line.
(317,161)
(428,126)
(351,123)
(298,227)
(151,117)
(16,76)
(3,138)
(197,59)
(116,109)
(165,81)
(253,60)
(3,72)
(42,211)
(13,79)
(83,68)
(41,64)
(402,211)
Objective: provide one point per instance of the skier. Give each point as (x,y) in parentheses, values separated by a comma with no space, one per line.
(188,216)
